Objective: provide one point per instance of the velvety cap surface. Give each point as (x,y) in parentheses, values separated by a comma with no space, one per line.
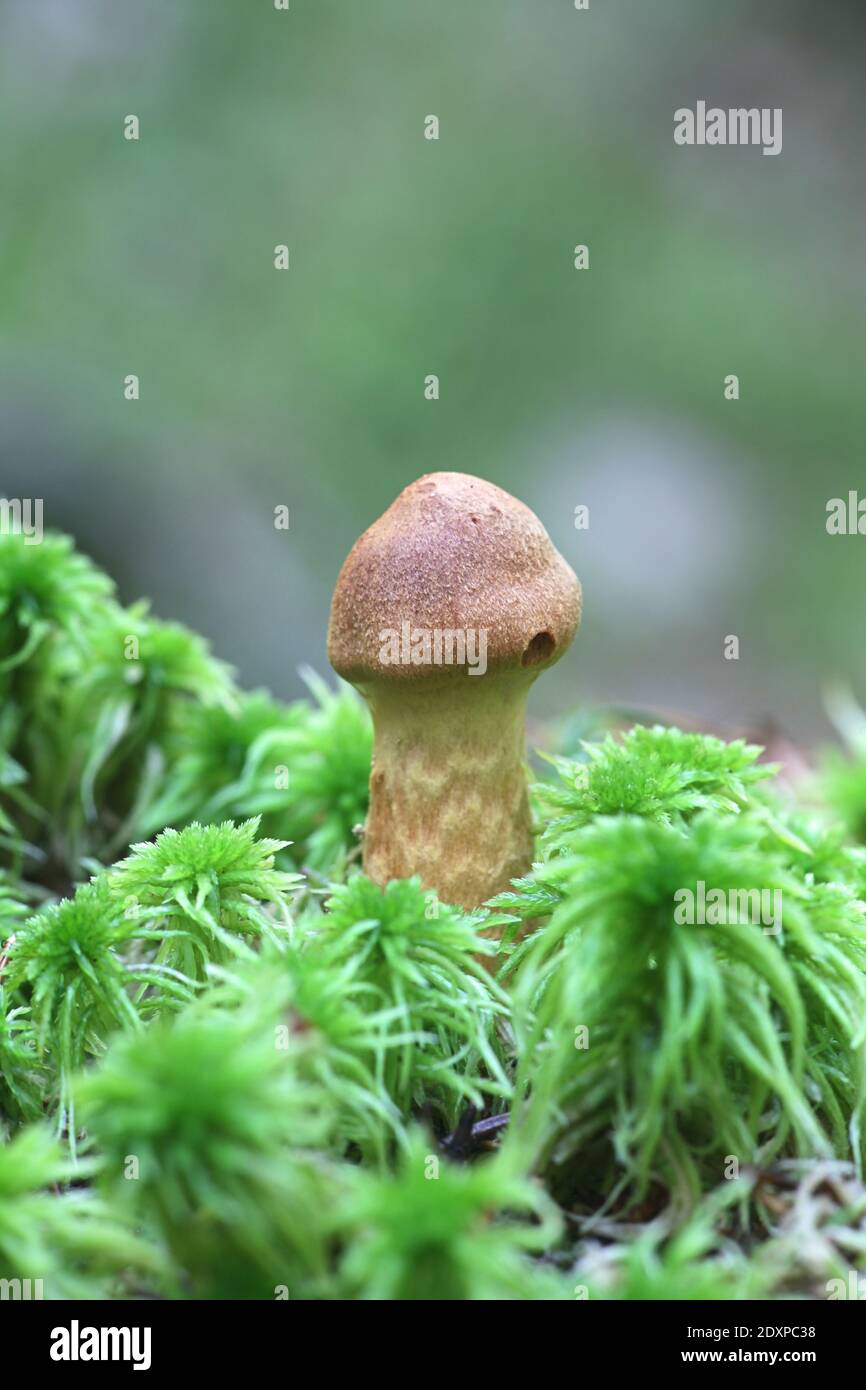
(452,553)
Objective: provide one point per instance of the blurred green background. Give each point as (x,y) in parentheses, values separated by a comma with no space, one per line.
(305,388)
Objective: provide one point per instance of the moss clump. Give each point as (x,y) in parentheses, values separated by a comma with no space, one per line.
(202,891)
(68,1239)
(676,1044)
(225,1142)
(439,1231)
(68,964)
(116,725)
(654,772)
(290,1082)
(417,960)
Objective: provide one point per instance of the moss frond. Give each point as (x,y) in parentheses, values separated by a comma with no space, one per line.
(229,762)
(694,1262)
(205,890)
(439,1231)
(65,1237)
(221,1138)
(304,768)
(702,1039)
(67,963)
(418,960)
(45,590)
(21,1083)
(328,758)
(658,772)
(330,1022)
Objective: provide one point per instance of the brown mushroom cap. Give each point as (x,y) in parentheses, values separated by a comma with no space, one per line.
(453,552)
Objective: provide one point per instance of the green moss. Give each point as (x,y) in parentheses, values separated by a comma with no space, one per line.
(845,789)
(207,1133)
(328,765)
(65,1237)
(48,593)
(67,962)
(658,773)
(338,1039)
(417,960)
(226,762)
(695,1262)
(203,891)
(440,1231)
(257,1033)
(303,768)
(703,1038)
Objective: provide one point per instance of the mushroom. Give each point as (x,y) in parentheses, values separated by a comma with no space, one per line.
(444,613)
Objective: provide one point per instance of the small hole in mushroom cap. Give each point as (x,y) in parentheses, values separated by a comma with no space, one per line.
(539,649)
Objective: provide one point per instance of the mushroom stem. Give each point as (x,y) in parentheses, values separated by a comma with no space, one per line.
(448,793)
